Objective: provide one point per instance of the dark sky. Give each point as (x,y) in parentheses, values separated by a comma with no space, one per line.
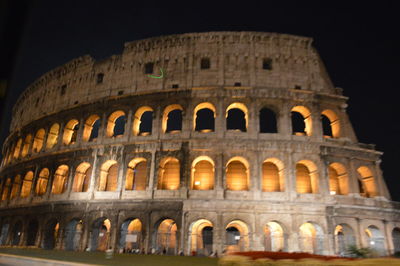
(358,42)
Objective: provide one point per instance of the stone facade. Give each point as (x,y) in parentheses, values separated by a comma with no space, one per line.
(328,188)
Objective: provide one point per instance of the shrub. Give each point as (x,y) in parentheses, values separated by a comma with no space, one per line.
(356,252)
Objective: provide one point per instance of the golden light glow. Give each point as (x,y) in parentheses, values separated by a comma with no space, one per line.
(335,122)
(136,175)
(169,174)
(60,180)
(17,148)
(306,177)
(274,234)
(368,180)
(338,179)
(237,174)
(38,140)
(111,122)
(15,187)
(26,184)
(202,173)
(70,132)
(273,176)
(82,177)
(167,110)
(196,237)
(27,143)
(88,127)
(108,176)
(307,118)
(41,185)
(52,138)
(137,119)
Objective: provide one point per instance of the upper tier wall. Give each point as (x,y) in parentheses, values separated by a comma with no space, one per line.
(235,57)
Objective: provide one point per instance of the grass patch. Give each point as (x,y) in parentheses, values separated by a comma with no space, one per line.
(119,259)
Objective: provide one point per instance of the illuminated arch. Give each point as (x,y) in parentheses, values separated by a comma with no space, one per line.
(70,132)
(169,174)
(137,121)
(6,189)
(91,132)
(344,237)
(165,118)
(17,148)
(237,236)
(82,177)
(202,173)
(242,108)
(131,235)
(203,107)
(306,114)
(306,177)
(311,238)
(108,176)
(334,122)
(52,137)
(368,182)
(274,237)
(237,174)
(27,143)
(38,140)
(136,175)
(273,175)
(338,179)
(112,119)
(15,186)
(100,238)
(41,184)
(376,239)
(27,185)
(166,237)
(60,180)
(201,237)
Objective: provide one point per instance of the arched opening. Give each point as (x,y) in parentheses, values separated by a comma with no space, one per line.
(268,121)
(272,175)
(330,124)
(116,124)
(91,128)
(41,184)
(71,132)
(236,237)
(100,238)
(136,175)
(4,233)
(131,236)
(237,117)
(27,144)
(52,138)
(306,177)
(376,240)
(237,174)
(6,189)
(166,237)
(344,238)
(17,148)
(50,234)
(172,119)
(396,239)
(143,121)
(15,187)
(274,237)
(16,234)
(60,180)
(311,238)
(169,174)
(108,176)
(73,234)
(27,185)
(33,228)
(204,117)
(202,173)
(82,177)
(201,237)
(368,184)
(301,121)
(338,179)
(38,140)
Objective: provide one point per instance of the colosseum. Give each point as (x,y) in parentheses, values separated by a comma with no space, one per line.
(193,143)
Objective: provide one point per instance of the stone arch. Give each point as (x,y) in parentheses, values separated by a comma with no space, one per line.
(16,233)
(268,123)
(52,137)
(82,177)
(236,236)
(376,240)
(201,237)
(396,239)
(27,144)
(91,128)
(274,237)
(143,120)
(311,238)
(6,189)
(237,117)
(70,132)
(203,173)
(172,118)
(237,174)
(306,177)
(100,235)
(204,117)
(131,235)
(166,240)
(136,175)
(60,179)
(4,232)
(108,176)
(368,182)
(333,128)
(41,184)
(38,140)
(301,121)
(344,238)
(15,187)
(116,124)
(73,234)
(17,148)
(26,185)
(32,232)
(338,179)
(169,174)
(50,234)
(273,178)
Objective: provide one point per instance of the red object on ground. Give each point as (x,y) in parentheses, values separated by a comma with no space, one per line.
(285,255)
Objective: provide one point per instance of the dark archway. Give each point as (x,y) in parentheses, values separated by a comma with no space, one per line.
(205,120)
(236,120)
(16,233)
(4,233)
(33,228)
(207,237)
(95,130)
(174,122)
(146,123)
(119,128)
(298,124)
(268,121)
(50,234)
(100,235)
(326,126)
(73,233)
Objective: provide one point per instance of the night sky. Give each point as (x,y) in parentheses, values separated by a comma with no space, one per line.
(358,42)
